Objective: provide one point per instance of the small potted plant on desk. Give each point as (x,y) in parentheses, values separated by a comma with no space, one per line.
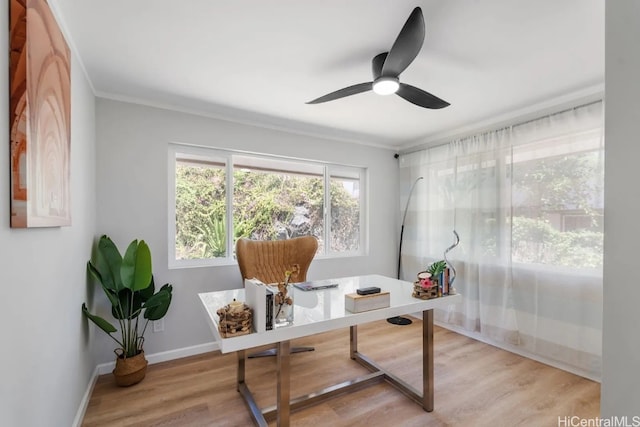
(128,284)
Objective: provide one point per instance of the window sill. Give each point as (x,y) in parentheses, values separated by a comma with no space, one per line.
(225,262)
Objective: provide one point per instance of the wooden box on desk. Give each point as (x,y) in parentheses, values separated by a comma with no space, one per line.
(356,303)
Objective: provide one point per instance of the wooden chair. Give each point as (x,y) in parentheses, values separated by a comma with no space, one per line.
(267,261)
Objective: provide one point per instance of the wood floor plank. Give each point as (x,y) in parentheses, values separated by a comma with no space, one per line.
(475,385)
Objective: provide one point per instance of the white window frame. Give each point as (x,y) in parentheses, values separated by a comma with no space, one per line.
(329,170)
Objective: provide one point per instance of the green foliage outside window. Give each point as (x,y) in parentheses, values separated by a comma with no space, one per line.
(345,217)
(536,241)
(266,205)
(543,192)
(547,189)
(200,204)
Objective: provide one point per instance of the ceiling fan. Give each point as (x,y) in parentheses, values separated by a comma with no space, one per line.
(387,66)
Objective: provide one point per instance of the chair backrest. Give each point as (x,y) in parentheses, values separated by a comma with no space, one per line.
(267,260)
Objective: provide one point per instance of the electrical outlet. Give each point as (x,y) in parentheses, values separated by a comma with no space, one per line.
(158,325)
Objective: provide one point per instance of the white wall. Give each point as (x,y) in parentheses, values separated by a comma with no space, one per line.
(621,339)
(45,357)
(132,193)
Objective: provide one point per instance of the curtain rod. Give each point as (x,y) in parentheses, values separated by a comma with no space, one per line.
(497,129)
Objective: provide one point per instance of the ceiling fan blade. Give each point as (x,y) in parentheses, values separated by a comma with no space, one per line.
(420,98)
(407,45)
(376,65)
(347,91)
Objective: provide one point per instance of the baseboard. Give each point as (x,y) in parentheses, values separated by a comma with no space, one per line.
(77,422)
(106,368)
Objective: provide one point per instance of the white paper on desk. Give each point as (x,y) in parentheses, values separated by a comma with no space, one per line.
(256,295)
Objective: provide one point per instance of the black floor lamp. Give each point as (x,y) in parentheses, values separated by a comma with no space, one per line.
(398,320)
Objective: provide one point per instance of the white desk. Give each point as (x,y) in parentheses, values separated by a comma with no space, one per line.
(321,311)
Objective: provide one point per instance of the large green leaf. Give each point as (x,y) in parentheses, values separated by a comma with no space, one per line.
(147,292)
(111,294)
(436,267)
(102,324)
(95,273)
(107,264)
(136,266)
(158,304)
(129,311)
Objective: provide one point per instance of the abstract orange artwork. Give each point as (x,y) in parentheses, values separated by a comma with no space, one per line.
(40,122)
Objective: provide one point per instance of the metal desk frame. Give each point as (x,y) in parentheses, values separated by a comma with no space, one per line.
(285,405)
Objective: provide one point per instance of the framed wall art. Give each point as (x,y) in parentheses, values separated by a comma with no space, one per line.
(40,117)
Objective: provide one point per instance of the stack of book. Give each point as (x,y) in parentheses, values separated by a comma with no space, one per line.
(443,281)
(260,298)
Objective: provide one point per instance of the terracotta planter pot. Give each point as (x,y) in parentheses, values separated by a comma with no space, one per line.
(130,370)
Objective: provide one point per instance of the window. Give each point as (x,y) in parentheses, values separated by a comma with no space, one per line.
(200,207)
(345,210)
(558,201)
(527,202)
(217,197)
(537,201)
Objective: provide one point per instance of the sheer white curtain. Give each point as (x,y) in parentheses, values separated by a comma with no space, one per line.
(527,202)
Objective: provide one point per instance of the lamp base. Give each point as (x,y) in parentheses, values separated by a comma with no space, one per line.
(399,321)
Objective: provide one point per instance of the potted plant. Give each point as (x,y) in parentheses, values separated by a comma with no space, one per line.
(436,268)
(128,284)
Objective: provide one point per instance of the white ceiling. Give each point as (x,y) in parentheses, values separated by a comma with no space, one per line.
(258,61)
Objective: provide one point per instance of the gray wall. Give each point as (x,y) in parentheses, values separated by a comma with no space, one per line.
(132,190)
(46,359)
(621,339)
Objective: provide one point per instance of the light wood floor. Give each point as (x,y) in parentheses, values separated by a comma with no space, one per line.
(475,385)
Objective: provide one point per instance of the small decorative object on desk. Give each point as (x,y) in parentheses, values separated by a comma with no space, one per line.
(434,282)
(357,303)
(424,287)
(235,319)
(283,299)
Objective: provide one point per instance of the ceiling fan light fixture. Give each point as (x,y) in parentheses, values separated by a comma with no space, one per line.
(386,68)
(386,85)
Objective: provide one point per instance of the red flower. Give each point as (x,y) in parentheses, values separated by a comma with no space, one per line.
(426,283)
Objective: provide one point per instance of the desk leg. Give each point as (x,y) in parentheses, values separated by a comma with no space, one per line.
(283,392)
(427,360)
(241,361)
(243,389)
(353,342)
